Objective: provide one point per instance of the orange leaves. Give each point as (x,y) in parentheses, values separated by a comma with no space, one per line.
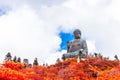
(9,74)
(13,65)
(89,69)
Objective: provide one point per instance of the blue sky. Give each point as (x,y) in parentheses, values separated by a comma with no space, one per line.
(2,12)
(65,37)
(40,28)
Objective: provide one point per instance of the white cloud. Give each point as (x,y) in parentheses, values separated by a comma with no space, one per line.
(24,34)
(113,10)
(30,29)
(91,46)
(51,59)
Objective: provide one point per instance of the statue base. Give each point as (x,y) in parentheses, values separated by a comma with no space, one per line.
(75,54)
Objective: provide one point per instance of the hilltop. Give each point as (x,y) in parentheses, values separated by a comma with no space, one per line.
(91,68)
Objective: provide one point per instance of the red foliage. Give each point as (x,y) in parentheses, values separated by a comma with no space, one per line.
(13,65)
(89,69)
(9,74)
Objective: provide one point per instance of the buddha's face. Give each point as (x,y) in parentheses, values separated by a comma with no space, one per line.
(77,34)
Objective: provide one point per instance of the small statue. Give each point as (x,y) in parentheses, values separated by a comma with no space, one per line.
(76,46)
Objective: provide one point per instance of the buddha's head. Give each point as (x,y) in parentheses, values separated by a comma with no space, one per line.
(77,34)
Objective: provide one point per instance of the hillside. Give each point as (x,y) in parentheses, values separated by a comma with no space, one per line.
(92,68)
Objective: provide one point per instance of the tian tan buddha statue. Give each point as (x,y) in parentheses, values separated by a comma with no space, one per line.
(74,47)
